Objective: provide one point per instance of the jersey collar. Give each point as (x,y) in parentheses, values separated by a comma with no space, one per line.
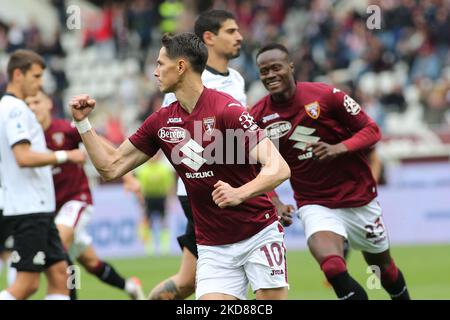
(214,71)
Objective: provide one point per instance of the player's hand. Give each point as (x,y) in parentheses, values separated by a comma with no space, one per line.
(323,151)
(225,195)
(285,213)
(81,106)
(76,156)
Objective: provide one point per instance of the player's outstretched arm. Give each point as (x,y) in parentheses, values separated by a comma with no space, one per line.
(28,158)
(110,162)
(274,171)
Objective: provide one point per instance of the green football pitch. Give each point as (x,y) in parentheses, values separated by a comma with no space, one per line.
(426,269)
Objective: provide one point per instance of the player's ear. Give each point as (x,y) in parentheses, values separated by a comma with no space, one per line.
(208,38)
(17,74)
(181,66)
(291,66)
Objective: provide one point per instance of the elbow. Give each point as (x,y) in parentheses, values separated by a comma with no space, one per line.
(22,162)
(376,132)
(107,175)
(110,170)
(284,172)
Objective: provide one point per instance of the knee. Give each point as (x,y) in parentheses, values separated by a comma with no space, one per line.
(333,265)
(185,284)
(58,277)
(389,272)
(33,287)
(30,288)
(92,266)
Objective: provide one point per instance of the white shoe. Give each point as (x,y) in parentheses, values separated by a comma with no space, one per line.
(133,287)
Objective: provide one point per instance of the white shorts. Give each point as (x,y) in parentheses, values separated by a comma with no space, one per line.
(228,269)
(363,226)
(77,215)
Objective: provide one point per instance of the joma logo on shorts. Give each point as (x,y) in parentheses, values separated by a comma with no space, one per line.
(277,272)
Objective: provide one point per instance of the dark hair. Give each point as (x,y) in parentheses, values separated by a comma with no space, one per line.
(211,21)
(189,46)
(23,60)
(273,46)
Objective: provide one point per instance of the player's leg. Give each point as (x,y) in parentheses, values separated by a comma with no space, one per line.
(217,296)
(6,247)
(28,256)
(367,232)
(56,265)
(272,294)
(24,286)
(391,277)
(66,220)
(66,234)
(220,272)
(326,233)
(57,282)
(266,266)
(182,284)
(108,274)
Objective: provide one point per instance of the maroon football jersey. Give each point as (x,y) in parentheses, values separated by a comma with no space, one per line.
(69,178)
(319,112)
(190,142)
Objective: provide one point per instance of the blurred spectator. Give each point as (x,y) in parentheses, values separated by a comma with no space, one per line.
(170,10)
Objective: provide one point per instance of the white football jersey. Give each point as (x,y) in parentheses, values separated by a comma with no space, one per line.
(25,190)
(232,84)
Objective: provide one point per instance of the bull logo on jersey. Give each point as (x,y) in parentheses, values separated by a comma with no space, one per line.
(209,124)
(313,109)
(58,139)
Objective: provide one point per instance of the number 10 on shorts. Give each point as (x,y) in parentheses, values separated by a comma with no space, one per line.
(274,253)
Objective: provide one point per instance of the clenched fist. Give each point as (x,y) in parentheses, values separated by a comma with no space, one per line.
(81,106)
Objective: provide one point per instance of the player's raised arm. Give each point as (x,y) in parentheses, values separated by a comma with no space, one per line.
(110,162)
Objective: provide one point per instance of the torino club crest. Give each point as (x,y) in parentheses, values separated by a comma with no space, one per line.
(58,139)
(209,124)
(313,109)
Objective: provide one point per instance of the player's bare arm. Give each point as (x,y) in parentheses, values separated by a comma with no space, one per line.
(274,171)
(110,162)
(27,158)
(130,183)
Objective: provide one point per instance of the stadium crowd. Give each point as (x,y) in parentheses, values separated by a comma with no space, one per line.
(401,68)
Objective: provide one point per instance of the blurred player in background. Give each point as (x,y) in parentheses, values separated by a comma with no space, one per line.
(29,197)
(220,33)
(74,206)
(157,181)
(239,238)
(324,136)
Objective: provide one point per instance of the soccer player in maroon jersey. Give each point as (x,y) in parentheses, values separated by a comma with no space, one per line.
(219,31)
(239,238)
(74,206)
(324,135)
